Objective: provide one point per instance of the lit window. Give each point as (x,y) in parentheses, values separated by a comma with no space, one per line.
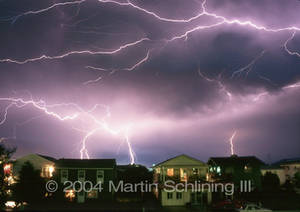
(170,195)
(218,169)
(47,171)
(178,195)
(170,172)
(158,170)
(183,175)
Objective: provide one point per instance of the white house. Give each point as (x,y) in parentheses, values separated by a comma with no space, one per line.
(182,170)
(279,171)
(285,169)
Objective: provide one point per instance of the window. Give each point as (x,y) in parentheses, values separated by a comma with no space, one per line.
(158,170)
(100,176)
(183,175)
(170,195)
(195,171)
(47,171)
(170,172)
(64,173)
(81,174)
(178,195)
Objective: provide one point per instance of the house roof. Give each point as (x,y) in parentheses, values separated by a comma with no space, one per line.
(86,163)
(287,161)
(271,167)
(177,157)
(234,159)
(48,158)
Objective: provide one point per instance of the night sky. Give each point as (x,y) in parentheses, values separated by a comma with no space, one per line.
(179,94)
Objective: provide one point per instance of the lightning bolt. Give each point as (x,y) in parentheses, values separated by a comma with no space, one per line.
(143,60)
(45,57)
(248,68)
(293,53)
(231,143)
(221,20)
(218,81)
(100,124)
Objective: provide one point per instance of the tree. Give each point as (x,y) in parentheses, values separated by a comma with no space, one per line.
(5,154)
(297,179)
(30,186)
(270,182)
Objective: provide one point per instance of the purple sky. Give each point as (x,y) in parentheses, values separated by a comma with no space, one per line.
(189,96)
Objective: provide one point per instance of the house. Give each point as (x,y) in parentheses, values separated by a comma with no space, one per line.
(285,169)
(182,170)
(290,167)
(275,169)
(88,178)
(43,163)
(235,169)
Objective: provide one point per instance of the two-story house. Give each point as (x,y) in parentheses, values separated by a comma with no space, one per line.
(285,169)
(235,169)
(182,170)
(91,178)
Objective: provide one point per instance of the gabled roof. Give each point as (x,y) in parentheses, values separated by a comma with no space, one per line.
(48,158)
(86,163)
(235,160)
(191,158)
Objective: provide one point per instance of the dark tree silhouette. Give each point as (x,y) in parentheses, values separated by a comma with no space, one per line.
(5,154)
(297,179)
(30,186)
(270,182)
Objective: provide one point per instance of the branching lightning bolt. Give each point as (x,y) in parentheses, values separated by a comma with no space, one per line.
(101,124)
(248,68)
(219,82)
(45,57)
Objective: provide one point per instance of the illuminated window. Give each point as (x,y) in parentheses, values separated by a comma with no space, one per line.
(47,171)
(158,170)
(170,172)
(183,175)
(218,169)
